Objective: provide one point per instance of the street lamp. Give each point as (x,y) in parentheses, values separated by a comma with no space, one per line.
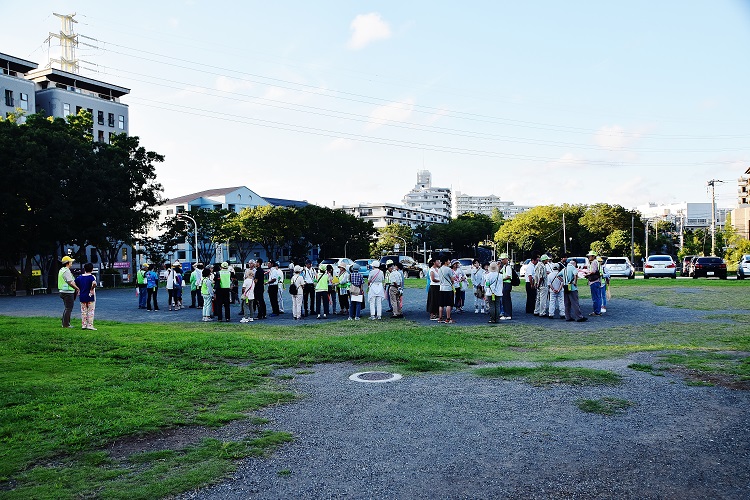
(347,242)
(402,239)
(186,216)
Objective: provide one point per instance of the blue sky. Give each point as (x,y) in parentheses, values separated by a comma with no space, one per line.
(343,101)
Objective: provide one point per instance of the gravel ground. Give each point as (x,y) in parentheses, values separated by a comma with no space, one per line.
(461,436)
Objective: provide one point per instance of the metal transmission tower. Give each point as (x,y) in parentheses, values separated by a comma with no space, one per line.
(68,43)
(711,184)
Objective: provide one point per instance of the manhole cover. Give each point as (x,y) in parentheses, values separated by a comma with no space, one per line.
(375,377)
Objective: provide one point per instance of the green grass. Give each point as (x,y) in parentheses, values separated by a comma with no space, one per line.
(700,294)
(548,375)
(733,364)
(66,395)
(604,406)
(645,368)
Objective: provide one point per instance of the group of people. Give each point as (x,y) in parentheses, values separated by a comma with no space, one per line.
(551,288)
(314,291)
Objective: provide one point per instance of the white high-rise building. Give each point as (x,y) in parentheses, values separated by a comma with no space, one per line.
(464,203)
(426,197)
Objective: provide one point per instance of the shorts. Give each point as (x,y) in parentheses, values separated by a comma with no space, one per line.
(446,298)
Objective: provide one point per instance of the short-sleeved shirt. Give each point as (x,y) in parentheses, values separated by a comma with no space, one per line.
(85,284)
(446,279)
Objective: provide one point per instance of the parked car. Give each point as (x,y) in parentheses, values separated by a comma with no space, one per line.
(335,263)
(411,267)
(710,267)
(465,265)
(743,267)
(686,260)
(524,265)
(659,266)
(365,265)
(619,267)
(581,262)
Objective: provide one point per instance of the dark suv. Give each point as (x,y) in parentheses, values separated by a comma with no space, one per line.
(411,266)
(709,267)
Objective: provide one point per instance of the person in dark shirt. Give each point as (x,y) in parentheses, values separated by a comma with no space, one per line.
(86,283)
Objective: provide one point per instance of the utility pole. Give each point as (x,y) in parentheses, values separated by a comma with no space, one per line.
(632,238)
(646,256)
(711,184)
(565,239)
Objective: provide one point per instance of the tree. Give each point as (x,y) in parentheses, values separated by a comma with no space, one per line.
(389,237)
(211,230)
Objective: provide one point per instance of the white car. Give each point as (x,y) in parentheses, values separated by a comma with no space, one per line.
(743,268)
(522,271)
(619,267)
(659,266)
(335,263)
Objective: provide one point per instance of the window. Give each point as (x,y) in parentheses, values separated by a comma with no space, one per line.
(170,211)
(100,117)
(66,109)
(8,97)
(24,104)
(180,209)
(123,254)
(111,136)
(231,208)
(111,120)
(100,136)
(121,122)
(78,109)
(181,255)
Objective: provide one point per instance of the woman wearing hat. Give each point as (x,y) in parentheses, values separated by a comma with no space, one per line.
(299,287)
(343,289)
(68,289)
(322,296)
(376,292)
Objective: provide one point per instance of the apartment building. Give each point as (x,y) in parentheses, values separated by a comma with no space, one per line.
(464,203)
(741,213)
(385,214)
(16,90)
(426,197)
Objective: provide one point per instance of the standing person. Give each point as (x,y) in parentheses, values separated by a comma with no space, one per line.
(296,289)
(260,288)
(195,277)
(248,295)
(169,285)
(447,291)
(356,292)
(222,292)
(556,286)
(308,298)
(477,282)
(572,308)
(86,284)
(321,291)
(177,292)
(275,277)
(543,268)
(531,284)
(68,289)
(140,280)
(395,290)
(234,290)
(506,275)
(460,284)
(594,277)
(152,287)
(375,290)
(605,287)
(493,285)
(343,289)
(249,272)
(433,294)
(206,286)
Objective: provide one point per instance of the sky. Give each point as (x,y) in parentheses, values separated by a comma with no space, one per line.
(342,102)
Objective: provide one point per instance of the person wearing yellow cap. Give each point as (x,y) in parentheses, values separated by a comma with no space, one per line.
(68,289)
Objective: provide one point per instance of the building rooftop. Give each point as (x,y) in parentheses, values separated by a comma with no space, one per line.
(71,79)
(16,64)
(209,193)
(280,202)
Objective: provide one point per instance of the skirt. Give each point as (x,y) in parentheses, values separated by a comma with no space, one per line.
(433,299)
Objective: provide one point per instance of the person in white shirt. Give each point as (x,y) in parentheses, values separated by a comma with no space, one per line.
(493,285)
(343,289)
(248,295)
(477,282)
(396,290)
(311,277)
(447,291)
(275,278)
(556,286)
(543,268)
(299,282)
(375,290)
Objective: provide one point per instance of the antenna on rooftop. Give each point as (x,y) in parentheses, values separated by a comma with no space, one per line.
(68,43)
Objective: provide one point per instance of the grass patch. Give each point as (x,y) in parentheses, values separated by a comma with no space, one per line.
(735,364)
(146,475)
(548,375)
(701,294)
(284,473)
(604,406)
(645,368)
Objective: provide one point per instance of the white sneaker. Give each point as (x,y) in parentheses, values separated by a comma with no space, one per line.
(482,311)
(243,320)
(348,319)
(356,319)
(502,318)
(604,309)
(476,311)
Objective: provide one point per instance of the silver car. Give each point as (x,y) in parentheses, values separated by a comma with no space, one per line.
(743,268)
(659,266)
(619,267)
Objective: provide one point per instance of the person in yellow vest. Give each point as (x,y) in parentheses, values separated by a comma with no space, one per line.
(140,282)
(68,289)
(321,290)
(222,292)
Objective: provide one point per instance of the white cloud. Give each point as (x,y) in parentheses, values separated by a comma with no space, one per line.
(397,111)
(367,28)
(616,137)
(340,144)
(226,84)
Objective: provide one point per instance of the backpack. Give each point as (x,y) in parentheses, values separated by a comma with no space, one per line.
(557,284)
(515,280)
(292,288)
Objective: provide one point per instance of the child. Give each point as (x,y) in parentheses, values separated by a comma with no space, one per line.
(207,291)
(86,283)
(248,295)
